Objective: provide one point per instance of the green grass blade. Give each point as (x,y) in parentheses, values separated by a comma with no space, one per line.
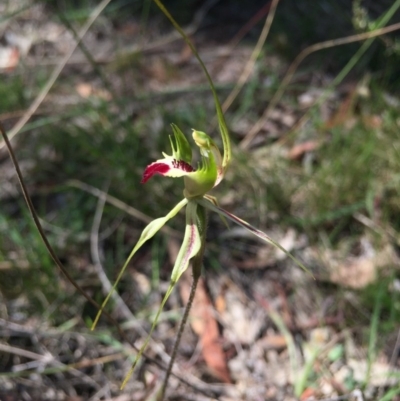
(391,394)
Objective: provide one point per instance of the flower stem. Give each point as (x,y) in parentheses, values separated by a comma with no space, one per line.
(197,264)
(179,336)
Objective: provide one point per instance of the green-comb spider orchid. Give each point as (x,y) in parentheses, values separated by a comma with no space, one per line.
(198,182)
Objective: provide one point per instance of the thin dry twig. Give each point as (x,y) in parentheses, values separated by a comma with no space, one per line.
(191,29)
(19,264)
(105,282)
(249,67)
(12,328)
(22,352)
(396,349)
(41,361)
(121,205)
(357,394)
(94,248)
(245,143)
(43,93)
(386,232)
(48,358)
(392,363)
(43,236)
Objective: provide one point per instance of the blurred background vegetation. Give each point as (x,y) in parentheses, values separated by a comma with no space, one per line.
(322,176)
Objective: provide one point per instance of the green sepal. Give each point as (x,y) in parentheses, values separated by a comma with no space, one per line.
(191,243)
(182,149)
(149,231)
(221,119)
(260,234)
(190,247)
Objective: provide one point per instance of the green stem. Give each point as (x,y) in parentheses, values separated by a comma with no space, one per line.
(197,264)
(179,336)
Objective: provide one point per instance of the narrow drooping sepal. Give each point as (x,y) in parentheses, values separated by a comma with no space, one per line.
(190,247)
(258,233)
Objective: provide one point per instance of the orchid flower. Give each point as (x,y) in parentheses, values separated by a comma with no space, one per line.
(198,180)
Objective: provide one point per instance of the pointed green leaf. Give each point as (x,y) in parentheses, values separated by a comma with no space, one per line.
(190,247)
(149,231)
(260,234)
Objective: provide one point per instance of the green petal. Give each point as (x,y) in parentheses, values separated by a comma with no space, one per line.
(190,247)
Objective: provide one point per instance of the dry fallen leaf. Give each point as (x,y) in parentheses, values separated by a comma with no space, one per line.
(86,90)
(242,323)
(355,273)
(373,121)
(308,393)
(298,150)
(351,271)
(9,58)
(205,326)
(345,113)
(273,341)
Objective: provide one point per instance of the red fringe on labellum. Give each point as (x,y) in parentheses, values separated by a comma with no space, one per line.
(163,168)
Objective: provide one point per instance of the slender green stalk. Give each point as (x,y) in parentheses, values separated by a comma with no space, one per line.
(179,336)
(197,265)
(366,45)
